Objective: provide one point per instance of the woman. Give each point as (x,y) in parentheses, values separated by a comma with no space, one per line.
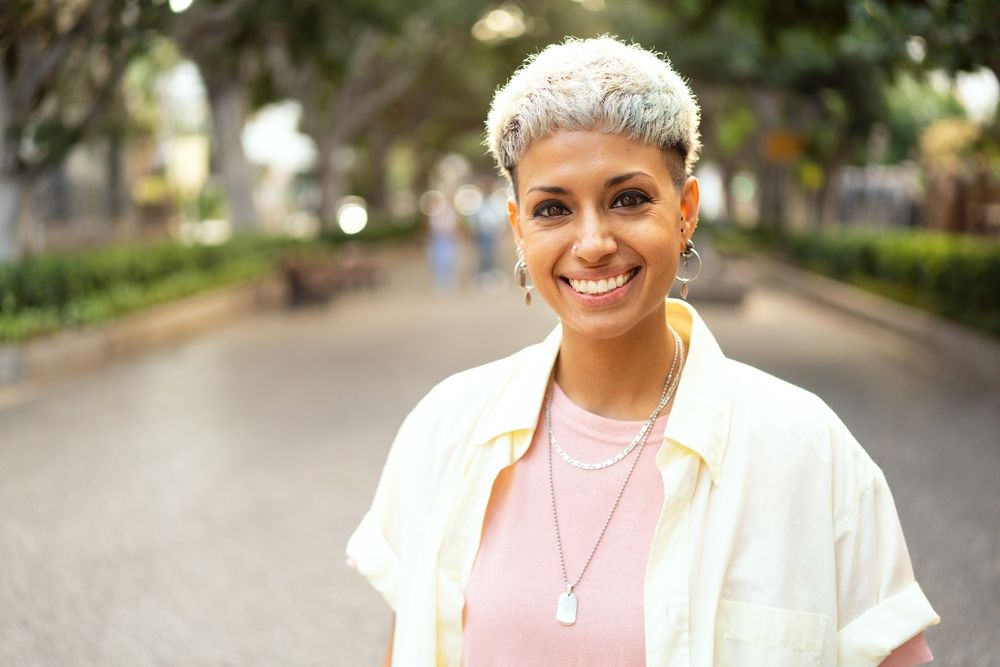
(622,493)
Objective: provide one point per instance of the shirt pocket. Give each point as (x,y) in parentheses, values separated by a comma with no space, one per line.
(750,635)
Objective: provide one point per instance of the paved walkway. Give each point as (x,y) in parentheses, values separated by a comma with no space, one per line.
(190,506)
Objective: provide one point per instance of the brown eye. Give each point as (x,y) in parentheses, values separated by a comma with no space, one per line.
(630,199)
(549,209)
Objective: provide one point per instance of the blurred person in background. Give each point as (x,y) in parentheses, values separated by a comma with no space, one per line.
(487,224)
(622,493)
(442,240)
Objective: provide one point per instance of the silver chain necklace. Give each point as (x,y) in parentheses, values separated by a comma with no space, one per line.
(568,602)
(607,463)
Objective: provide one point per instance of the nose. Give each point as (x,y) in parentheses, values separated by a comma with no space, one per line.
(595,238)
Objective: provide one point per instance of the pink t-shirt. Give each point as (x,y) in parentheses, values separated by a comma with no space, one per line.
(514,588)
(511,596)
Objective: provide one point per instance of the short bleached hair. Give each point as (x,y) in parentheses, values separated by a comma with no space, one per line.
(597,84)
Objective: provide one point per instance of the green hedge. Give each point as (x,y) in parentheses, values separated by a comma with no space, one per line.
(378,230)
(957,276)
(42,294)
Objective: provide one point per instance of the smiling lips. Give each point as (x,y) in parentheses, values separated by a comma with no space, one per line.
(603,286)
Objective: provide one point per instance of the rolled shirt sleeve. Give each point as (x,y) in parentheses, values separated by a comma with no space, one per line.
(880,604)
(376,548)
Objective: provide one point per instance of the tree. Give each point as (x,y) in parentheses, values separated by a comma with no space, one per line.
(60,64)
(340,97)
(956,35)
(348,63)
(223,38)
(811,72)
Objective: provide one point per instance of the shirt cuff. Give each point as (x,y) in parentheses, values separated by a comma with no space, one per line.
(871,637)
(370,554)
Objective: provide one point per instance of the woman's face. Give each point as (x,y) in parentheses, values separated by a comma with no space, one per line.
(600,221)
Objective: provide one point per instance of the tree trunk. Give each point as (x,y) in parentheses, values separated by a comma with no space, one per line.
(378,190)
(331,179)
(12,191)
(117,193)
(229,111)
(331,190)
(728,169)
(829,198)
(772,196)
(769,172)
(12,185)
(425,165)
(829,195)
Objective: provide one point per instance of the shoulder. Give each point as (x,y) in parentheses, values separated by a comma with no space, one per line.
(785,410)
(795,431)
(762,400)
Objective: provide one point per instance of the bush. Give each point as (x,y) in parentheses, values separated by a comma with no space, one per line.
(42,294)
(378,229)
(957,276)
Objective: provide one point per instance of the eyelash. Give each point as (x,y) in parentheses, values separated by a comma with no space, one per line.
(544,206)
(641,198)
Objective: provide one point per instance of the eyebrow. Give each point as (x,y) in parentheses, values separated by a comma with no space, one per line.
(551,189)
(611,182)
(618,180)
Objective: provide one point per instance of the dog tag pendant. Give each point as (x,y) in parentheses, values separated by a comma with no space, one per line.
(566,612)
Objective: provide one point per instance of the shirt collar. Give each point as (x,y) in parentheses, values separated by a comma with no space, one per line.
(700,416)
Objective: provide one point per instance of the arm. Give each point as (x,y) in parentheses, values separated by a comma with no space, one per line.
(880,604)
(387,661)
(914,652)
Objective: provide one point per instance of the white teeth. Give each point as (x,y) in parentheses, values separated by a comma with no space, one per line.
(603,285)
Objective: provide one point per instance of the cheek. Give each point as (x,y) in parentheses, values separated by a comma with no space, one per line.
(668,267)
(663,263)
(539,259)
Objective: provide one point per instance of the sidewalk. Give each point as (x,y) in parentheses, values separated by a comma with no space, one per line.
(975,352)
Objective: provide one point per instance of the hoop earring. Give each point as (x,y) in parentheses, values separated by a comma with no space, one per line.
(686,256)
(521,276)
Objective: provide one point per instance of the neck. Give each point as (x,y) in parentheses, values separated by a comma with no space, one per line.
(618,378)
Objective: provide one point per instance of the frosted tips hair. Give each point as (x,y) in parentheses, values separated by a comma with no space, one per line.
(593,84)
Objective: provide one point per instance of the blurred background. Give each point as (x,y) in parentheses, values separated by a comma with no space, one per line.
(239,239)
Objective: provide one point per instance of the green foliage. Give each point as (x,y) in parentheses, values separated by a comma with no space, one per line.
(142,115)
(952,275)
(42,294)
(61,64)
(377,230)
(735,126)
(958,35)
(212,201)
(915,104)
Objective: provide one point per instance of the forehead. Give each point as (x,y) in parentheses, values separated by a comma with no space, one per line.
(584,158)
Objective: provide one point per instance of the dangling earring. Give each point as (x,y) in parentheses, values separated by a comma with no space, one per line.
(686,256)
(521,276)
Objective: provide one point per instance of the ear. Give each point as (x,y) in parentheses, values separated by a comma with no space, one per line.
(690,198)
(515,220)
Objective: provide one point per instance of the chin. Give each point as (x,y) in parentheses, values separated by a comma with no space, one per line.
(608,326)
(597,332)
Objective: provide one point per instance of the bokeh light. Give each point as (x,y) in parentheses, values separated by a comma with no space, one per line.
(468,199)
(352,214)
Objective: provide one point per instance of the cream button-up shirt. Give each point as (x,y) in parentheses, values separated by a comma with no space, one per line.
(778,543)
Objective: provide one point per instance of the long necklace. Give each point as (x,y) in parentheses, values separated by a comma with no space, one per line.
(668,387)
(568,602)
